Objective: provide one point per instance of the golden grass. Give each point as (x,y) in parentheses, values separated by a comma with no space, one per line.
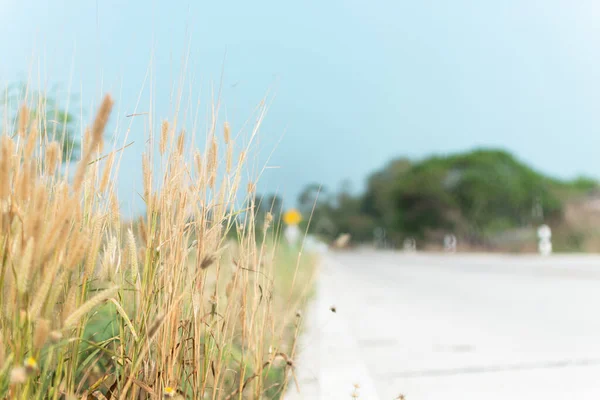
(188,302)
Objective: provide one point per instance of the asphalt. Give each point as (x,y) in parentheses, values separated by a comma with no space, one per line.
(452,326)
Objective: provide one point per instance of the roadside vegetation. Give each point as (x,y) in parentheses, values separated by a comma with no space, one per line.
(193,300)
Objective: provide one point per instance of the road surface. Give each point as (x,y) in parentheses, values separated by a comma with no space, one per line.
(452,326)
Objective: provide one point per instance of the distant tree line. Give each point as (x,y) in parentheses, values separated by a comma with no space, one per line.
(474,195)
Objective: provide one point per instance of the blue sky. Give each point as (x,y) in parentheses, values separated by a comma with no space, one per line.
(351,83)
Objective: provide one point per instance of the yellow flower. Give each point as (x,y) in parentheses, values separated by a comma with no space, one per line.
(169,392)
(30,365)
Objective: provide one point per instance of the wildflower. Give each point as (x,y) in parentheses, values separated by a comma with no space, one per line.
(169,392)
(30,365)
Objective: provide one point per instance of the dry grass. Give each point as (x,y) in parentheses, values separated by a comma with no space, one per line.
(170,306)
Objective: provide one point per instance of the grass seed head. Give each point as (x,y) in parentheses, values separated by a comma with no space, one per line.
(226,132)
(180,142)
(268,220)
(23,120)
(18,375)
(52,157)
(156,324)
(164,135)
(106,172)
(55,336)
(90,305)
(40,335)
(207,261)
(95,140)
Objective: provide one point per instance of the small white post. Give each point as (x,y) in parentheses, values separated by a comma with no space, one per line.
(410,245)
(450,243)
(544,235)
(379,237)
(292,234)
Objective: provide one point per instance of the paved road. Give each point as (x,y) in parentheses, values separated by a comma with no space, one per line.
(453,327)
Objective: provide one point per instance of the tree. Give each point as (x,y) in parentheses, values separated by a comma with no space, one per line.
(309,197)
(378,200)
(474,194)
(53,119)
(316,207)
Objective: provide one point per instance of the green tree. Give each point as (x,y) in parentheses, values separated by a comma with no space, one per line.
(316,207)
(475,193)
(378,200)
(308,198)
(53,118)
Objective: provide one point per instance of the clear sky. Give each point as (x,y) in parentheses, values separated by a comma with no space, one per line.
(355,83)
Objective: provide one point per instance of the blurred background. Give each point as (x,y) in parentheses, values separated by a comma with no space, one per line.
(393,119)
